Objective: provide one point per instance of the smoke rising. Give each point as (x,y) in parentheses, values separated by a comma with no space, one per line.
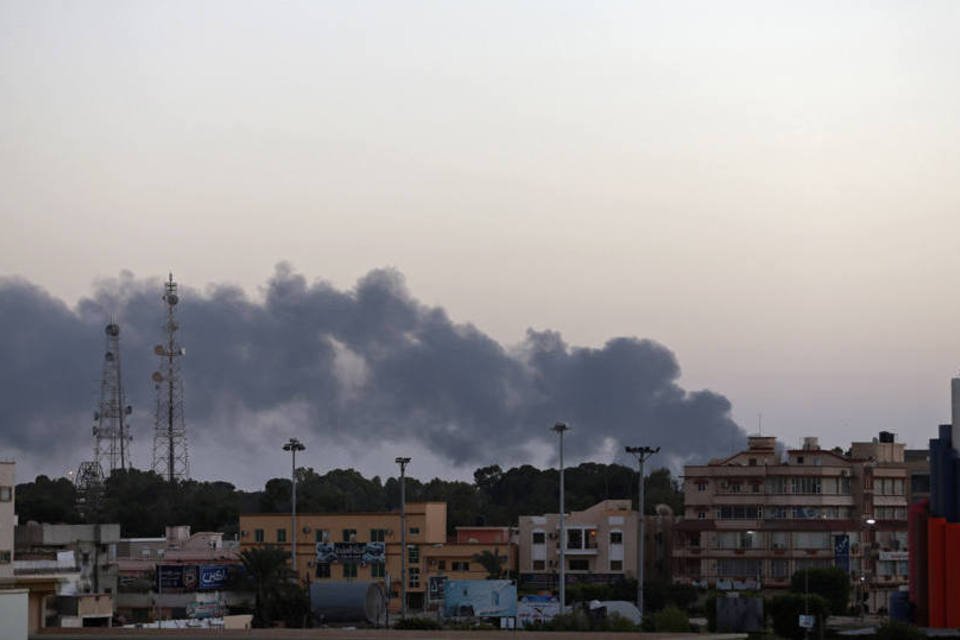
(352,367)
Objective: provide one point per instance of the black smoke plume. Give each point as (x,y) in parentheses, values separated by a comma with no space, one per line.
(366,365)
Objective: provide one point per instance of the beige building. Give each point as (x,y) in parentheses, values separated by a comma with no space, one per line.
(756,517)
(324,539)
(600,545)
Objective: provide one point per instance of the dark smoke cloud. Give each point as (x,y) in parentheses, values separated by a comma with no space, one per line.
(358,366)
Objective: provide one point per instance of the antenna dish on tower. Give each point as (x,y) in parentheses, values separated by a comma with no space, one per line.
(157,376)
(158,350)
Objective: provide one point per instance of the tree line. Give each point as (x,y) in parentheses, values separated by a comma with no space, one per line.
(143,502)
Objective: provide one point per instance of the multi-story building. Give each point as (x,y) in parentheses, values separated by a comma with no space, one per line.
(756,517)
(600,545)
(7,519)
(368,546)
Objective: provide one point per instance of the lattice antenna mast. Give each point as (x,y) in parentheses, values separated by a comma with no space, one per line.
(110,430)
(170,434)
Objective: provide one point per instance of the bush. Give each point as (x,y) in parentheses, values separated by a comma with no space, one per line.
(785,610)
(895,630)
(579,620)
(671,619)
(831,583)
(428,624)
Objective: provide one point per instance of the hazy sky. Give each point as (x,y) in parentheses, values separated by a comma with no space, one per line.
(769,189)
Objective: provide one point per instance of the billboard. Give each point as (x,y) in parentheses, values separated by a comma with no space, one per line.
(480,599)
(436,587)
(177,576)
(360,552)
(213,576)
(841,552)
(537,609)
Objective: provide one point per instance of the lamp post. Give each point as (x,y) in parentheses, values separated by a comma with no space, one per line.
(293,446)
(868,523)
(403,462)
(641,454)
(560,428)
(160,554)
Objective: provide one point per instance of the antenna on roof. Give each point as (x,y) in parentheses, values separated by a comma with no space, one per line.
(760,423)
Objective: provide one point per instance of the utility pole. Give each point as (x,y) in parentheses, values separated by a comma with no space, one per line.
(560,428)
(403,462)
(641,454)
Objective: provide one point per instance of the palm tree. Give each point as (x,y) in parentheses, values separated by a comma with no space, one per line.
(267,572)
(492,561)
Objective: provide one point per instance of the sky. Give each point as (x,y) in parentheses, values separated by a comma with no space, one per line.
(757,200)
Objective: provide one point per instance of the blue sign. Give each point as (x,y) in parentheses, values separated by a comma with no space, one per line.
(213,576)
(177,576)
(841,552)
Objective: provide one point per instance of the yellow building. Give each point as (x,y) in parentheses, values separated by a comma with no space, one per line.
(346,546)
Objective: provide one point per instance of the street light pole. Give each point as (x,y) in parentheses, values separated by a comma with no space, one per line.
(293,446)
(641,454)
(560,428)
(403,462)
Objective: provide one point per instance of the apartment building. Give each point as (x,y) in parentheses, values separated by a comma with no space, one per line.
(367,546)
(756,517)
(600,545)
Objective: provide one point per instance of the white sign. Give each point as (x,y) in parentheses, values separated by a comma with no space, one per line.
(806,622)
(899,556)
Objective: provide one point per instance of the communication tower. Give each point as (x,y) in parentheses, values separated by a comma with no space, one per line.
(170,434)
(110,431)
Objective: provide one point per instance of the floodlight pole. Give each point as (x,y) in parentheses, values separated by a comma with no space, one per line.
(641,454)
(560,428)
(403,462)
(293,446)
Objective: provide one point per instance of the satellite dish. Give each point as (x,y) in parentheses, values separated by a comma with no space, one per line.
(157,376)
(112,329)
(109,356)
(96,415)
(128,410)
(183,351)
(158,350)
(171,299)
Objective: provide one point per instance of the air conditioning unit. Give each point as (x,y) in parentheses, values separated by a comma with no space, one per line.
(306,529)
(552,536)
(243,534)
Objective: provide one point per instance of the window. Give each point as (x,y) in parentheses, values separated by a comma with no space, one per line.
(539,537)
(777,485)
(779,568)
(441,565)
(349,535)
(812,540)
(378,535)
(6,494)
(616,537)
(414,531)
(739,568)
(701,485)
(616,565)
(281,535)
(413,554)
(414,575)
(460,566)
(323,570)
(579,564)
(258,535)
(574,538)
(778,539)
(378,570)
(701,515)
(349,570)
(321,535)
(4,557)
(590,537)
(804,485)
(539,565)
(738,512)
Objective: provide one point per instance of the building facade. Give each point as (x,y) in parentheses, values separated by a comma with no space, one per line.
(600,545)
(756,517)
(368,547)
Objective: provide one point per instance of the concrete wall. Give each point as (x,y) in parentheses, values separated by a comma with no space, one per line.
(14,613)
